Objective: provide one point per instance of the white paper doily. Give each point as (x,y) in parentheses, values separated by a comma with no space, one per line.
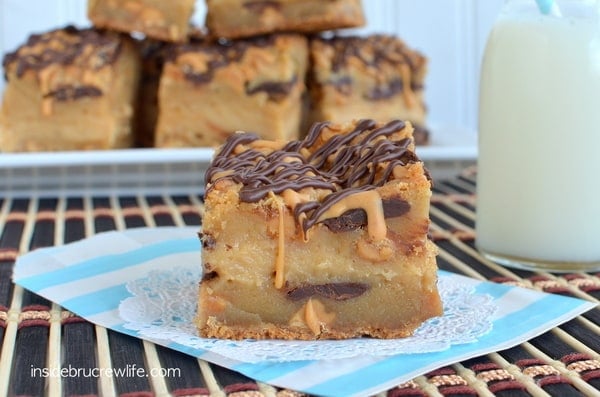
(163,308)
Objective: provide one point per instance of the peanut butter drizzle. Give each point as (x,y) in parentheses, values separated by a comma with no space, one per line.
(265,144)
(279,263)
(345,164)
(223,174)
(318,179)
(370,201)
(316,317)
(174,32)
(407,93)
(292,198)
(214,55)
(313,316)
(66,62)
(385,55)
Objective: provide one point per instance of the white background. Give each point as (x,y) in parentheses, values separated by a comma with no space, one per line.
(451,33)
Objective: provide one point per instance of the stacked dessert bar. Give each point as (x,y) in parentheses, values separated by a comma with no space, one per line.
(271,67)
(70,89)
(375,76)
(209,90)
(317,207)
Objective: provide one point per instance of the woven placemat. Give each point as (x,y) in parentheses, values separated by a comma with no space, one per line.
(36,335)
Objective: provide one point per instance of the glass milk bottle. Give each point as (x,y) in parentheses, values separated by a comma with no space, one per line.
(538,182)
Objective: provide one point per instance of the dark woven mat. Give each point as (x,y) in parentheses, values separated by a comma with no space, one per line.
(35,334)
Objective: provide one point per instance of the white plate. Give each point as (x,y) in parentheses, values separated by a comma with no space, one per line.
(447,143)
(104,157)
(174,170)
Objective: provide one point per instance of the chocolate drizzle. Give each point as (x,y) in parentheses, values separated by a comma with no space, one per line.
(65,46)
(371,51)
(345,164)
(219,54)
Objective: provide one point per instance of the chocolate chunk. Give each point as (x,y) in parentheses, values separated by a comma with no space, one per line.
(71,93)
(357,218)
(219,54)
(395,207)
(349,220)
(335,291)
(276,90)
(207,276)
(343,85)
(259,7)
(421,134)
(394,87)
(208,241)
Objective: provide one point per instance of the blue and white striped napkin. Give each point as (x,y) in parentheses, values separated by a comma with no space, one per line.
(90,278)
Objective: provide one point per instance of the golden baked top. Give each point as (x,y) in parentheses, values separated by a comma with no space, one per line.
(384,58)
(273,64)
(87,48)
(61,58)
(335,168)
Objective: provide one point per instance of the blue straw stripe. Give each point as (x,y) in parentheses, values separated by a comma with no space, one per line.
(108,263)
(545,6)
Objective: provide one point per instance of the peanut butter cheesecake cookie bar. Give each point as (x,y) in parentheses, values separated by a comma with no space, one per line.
(376,76)
(208,90)
(325,237)
(256,17)
(70,89)
(158,19)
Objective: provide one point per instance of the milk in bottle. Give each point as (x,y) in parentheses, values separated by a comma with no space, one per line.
(538,182)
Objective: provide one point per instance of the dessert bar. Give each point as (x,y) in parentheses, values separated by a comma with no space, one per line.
(376,76)
(325,237)
(70,89)
(208,90)
(256,17)
(157,19)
